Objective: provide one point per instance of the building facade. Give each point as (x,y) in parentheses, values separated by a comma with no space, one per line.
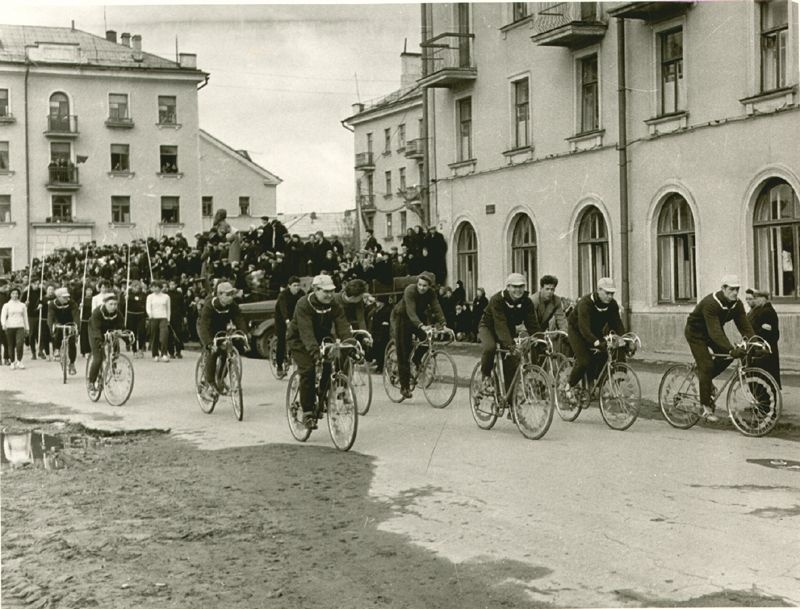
(390,184)
(527,149)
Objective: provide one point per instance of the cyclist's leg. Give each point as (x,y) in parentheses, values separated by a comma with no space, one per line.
(719,363)
(72,349)
(305,368)
(594,369)
(403,346)
(280,334)
(210,370)
(705,369)
(325,381)
(98,355)
(488,350)
(583,358)
(58,335)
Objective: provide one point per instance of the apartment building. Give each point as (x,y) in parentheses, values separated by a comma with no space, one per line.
(540,165)
(389,135)
(101,140)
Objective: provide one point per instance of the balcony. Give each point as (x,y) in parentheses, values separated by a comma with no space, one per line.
(568,24)
(415,149)
(412,193)
(447,61)
(119,122)
(63,178)
(6,118)
(365,161)
(367,203)
(62,126)
(650,12)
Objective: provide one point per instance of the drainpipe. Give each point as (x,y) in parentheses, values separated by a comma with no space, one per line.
(622,147)
(27,167)
(426,164)
(357,229)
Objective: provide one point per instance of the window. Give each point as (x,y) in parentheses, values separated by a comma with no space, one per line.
(5,260)
(592,250)
(170,210)
(777,238)
(167,110)
(61,208)
(387,141)
(464,112)
(121,210)
(671,72)
(118,106)
(421,173)
(244,206)
(420,128)
(369,142)
(523,250)
(403,222)
(521,113)
(388,177)
(401,137)
(58,119)
(169,159)
(4,156)
(388,225)
(5,209)
(519,10)
(120,157)
(4,108)
(676,251)
(467,258)
(589,94)
(774,36)
(370,184)
(208,207)
(60,152)
(61,169)
(402,172)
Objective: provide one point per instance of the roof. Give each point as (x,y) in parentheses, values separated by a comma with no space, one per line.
(402,95)
(331,223)
(242,156)
(66,46)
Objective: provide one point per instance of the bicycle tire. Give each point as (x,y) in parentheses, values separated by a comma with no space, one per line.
(63,356)
(118,380)
(93,395)
(362,386)
(273,356)
(235,385)
(533,402)
(441,377)
(391,374)
(293,409)
(613,401)
(342,412)
(484,419)
(752,416)
(207,401)
(567,409)
(679,396)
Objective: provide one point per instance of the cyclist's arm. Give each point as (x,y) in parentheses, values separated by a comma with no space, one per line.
(714,327)
(742,323)
(238,319)
(204,331)
(51,316)
(500,322)
(410,302)
(361,319)
(76,314)
(305,327)
(341,324)
(584,321)
(436,311)
(531,322)
(615,323)
(558,315)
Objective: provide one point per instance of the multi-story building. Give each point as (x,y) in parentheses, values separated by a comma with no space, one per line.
(391,195)
(100,140)
(655,142)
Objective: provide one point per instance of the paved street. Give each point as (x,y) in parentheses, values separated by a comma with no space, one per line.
(584,517)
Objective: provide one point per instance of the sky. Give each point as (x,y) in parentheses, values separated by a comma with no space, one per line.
(283,76)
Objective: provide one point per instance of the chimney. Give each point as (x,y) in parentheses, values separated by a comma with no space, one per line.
(359,107)
(187,60)
(410,68)
(111,36)
(136,40)
(125,39)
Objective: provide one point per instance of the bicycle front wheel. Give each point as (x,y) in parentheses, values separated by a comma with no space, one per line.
(118,380)
(94,395)
(533,402)
(235,385)
(361,380)
(294,411)
(620,397)
(391,373)
(64,360)
(567,409)
(754,402)
(206,396)
(482,406)
(439,374)
(273,356)
(679,396)
(342,412)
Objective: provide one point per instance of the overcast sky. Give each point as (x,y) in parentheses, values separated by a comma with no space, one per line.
(282,76)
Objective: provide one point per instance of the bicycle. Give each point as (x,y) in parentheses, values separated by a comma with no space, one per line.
(115,379)
(528,399)
(436,372)
(617,386)
(753,400)
(552,362)
(228,374)
(339,401)
(67,332)
(360,377)
(273,359)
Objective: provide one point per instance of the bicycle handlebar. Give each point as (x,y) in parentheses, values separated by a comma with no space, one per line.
(444,334)
(69,327)
(228,336)
(329,345)
(124,334)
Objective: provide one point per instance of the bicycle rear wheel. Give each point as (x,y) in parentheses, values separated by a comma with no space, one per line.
(64,360)
(118,380)
(533,402)
(206,395)
(342,412)
(439,374)
(94,395)
(294,412)
(235,384)
(483,407)
(620,397)
(567,409)
(361,380)
(391,373)
(754,405)
(679,396)
(273,356)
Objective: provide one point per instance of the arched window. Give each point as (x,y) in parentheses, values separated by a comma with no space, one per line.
(776,225)
(58,120)
(523,249)
(592,250)
(467,258)
(676,251)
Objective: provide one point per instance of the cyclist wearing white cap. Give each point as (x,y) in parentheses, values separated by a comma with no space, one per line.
(507,311)
(217,313)
(104,318)
(62,310)
(315,317)
(586,325)
(705,334)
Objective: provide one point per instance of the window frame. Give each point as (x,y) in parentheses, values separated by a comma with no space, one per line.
(401,137)
(387,140)
(780,32)
(387,177)
(161,159)
(403,222)
(467,259)
(5,200)
(401,178)
(8,113)
(127,157)
(127,116)
(168,199)
(116,201)
(10,258)
(71,204)
(592,244)
(460,122)
(246,210)
(174,120)
(207,199)
(5,154)
(516,15)
(580,60)
(515,105)
(679,92)
(792,223)
(673,237)
(525,252)
(389,223)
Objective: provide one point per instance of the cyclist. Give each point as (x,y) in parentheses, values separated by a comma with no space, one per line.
(315,317)
(418,299)
(351,299)
(509,314)
(705,334)
(62,310)
(217,313)
(764,319)
(589,319)
(284,310)
(547,306)
(104,318)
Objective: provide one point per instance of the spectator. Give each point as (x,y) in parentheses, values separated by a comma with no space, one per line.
(479,304)
(158,312)
(764,319)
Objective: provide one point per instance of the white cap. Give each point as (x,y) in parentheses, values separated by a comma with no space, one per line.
(606,284)
(62,293)
(731,281)
(323,282)
(516,279)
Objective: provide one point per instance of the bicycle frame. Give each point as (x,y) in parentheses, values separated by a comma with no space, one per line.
(546,340)
(331,351)
(226,338)
(630,342)
(523,346)
(431,337)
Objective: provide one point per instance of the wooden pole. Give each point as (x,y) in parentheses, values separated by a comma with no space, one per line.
(83,285)
(149,263)
(127,284)
(41,307)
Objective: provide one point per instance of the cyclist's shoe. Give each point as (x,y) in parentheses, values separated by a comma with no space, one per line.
(486,386)
(309,420)
(72,371)
(406,394)
(713,392)
(708,415)
(571,395)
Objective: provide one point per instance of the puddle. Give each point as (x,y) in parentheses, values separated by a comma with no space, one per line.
(786,464)
(32,449)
